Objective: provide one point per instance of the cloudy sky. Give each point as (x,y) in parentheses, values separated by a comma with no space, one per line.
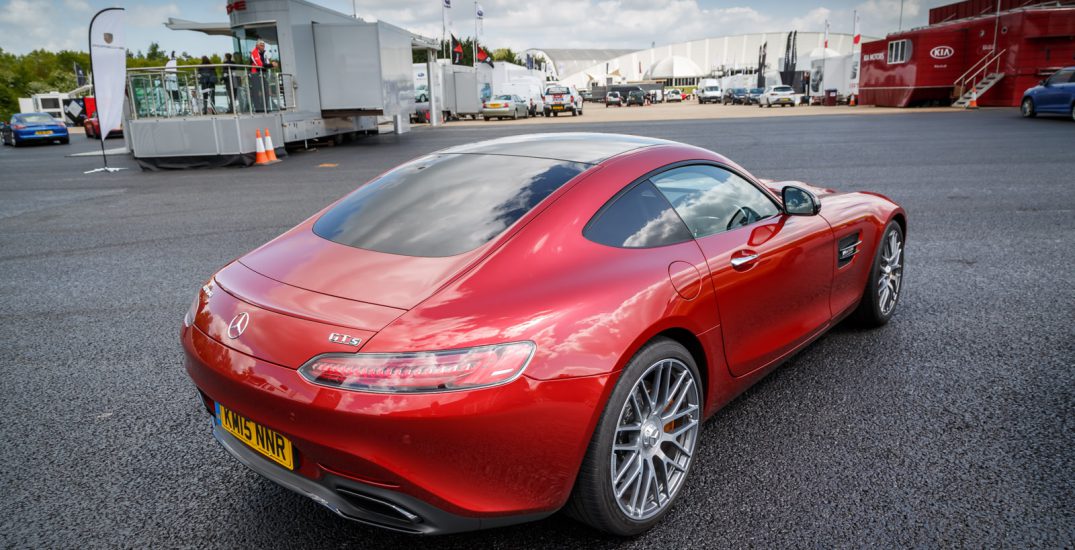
(61,24)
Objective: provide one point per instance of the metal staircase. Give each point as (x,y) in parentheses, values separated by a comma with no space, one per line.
(980,88)
(978,79)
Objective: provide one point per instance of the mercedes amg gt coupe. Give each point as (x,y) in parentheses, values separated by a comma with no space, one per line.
(490,333)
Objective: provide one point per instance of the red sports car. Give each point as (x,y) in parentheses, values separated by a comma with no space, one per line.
(493,332)
(93,129)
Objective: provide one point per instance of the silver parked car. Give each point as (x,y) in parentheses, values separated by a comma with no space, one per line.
(505,106)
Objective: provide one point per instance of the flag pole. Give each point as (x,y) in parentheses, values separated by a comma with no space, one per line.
(93,82)
(474,45)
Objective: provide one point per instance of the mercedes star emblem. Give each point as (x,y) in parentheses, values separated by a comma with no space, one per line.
(238,325)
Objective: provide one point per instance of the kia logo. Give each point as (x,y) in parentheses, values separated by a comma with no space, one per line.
(236,6)
(942,52)
(238,325)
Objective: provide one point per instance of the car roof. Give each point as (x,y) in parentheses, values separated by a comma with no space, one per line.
(585,147)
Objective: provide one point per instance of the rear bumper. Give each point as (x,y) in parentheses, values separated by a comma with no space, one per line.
(457,460)
(498,112)
(365,503)
(30,135)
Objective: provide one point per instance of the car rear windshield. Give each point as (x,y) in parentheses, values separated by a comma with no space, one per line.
(443,204)
(782,89)
(37,119)
(503,97)
(557,90)
(712,88)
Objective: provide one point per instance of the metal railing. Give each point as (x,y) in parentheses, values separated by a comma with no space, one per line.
(976,72)
(204,90)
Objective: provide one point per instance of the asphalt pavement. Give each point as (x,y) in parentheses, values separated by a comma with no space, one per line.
(952,426)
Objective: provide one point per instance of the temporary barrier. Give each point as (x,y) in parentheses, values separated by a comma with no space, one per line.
(270,151)
(260,157)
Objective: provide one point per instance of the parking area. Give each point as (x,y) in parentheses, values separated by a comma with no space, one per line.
(952,426)
(597,113)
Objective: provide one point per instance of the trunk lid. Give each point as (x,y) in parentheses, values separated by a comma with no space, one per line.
(301,259)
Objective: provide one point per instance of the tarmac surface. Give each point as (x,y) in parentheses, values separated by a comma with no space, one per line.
(952,426)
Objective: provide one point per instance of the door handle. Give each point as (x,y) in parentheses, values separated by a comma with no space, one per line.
(740,261)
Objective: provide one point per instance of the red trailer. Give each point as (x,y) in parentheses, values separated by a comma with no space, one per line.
(939,63)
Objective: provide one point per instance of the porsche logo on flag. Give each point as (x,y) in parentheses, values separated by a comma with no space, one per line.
(108,38)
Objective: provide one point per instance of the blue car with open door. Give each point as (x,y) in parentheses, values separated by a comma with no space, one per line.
(33,127)
(1055,95)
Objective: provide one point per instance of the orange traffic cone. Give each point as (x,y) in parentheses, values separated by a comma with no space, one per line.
(852,102)
(270,151)
(260,157)
(973,99)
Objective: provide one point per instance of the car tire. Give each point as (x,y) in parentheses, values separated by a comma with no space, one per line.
(65,140)
(876,306)
(593,499)
(1073,111)
(1026,108)
(515,115)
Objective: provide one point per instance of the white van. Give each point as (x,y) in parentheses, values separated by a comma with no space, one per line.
(709,91)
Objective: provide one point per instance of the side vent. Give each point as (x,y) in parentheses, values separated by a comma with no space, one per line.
(846,248)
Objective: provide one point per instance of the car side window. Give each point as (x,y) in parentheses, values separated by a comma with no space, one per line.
(638,218)
(711,199)
(1061,77)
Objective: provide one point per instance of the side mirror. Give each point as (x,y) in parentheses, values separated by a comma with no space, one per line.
(799,201)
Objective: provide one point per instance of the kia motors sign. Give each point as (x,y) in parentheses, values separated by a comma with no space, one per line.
(942,52)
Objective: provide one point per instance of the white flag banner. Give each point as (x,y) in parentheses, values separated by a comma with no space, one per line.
(108,58)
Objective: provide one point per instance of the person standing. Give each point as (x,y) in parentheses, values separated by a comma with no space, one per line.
(258,59)
(231,80)
(171,82)
(207,81)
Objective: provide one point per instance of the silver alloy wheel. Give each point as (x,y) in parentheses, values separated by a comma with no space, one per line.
(1028,107)
(655,439)
(891,273)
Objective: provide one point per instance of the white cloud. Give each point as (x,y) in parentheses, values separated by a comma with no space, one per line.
(23,22)
(151,16)
(59,24)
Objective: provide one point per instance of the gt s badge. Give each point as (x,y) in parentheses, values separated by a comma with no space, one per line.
(345,339)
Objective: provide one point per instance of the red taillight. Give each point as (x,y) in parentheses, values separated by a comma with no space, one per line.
(422,371)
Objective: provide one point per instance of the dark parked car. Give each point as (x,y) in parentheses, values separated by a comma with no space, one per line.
(736,96)
(1055,95)
(754,96)
(636,97)
(29,127)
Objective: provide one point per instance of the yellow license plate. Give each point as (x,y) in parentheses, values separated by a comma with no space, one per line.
(258,437)
(557,107)
(43,133)
(495,105)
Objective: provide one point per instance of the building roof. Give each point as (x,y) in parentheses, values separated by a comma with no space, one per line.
(674,67)
(567,61)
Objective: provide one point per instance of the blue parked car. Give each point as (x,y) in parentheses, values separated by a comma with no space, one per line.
(31,127)
(1055,95)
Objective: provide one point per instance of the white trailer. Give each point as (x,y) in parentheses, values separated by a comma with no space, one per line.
(331,76)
